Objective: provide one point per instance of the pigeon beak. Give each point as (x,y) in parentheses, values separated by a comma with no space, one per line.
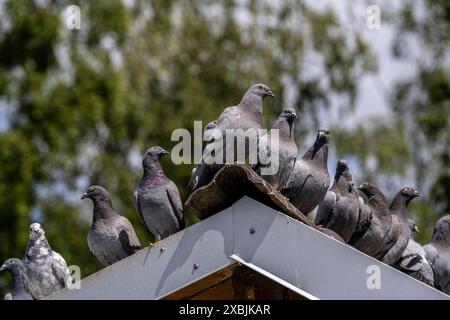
(270,94)
(3,267)
(416,229)
(84,196)
(417,194)
(295,115)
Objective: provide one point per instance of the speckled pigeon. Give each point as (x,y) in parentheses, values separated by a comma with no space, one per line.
(339,210)
(18,291)
(310,179)
(46,270)
(246,115)
(157,198)
(438,254)
(285,150)
(111,237)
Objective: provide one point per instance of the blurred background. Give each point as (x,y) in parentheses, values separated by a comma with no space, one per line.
(79,107)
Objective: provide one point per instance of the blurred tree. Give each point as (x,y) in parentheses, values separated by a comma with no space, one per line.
(83,105)
(416,140)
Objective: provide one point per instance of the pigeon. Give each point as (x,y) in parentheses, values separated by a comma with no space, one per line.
(401,226)
(157,198)
(46,271)
(207,132)
(18,291)
(414,261)
(285,150)
(111,237)
(438,254)
(382,239)
(339,210)
(310,179)
(246,115)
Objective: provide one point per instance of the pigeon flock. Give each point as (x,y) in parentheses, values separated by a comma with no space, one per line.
(362,215)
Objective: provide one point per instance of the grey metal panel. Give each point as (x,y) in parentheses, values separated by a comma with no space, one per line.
(284,249)
(152,273)
(313,261)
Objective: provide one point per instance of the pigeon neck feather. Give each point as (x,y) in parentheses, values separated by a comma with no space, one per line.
(318,154)
(153,170)
(102,208)
(399,205)
(343,180)
(285,127)
(38,248)
(252,102)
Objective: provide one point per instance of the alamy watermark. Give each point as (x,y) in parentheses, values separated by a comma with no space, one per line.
(374,279)
(72,17)
(373,21)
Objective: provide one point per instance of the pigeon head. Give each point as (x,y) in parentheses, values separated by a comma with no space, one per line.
(368,189)
(289,114)
(413,226)
(323,137)
(342,169)
(409,193)
(153,154)
(150,162)
(342,166)
(211,125)
(96,193)
(261,90)
(441,230)
(36,232)
(13,265)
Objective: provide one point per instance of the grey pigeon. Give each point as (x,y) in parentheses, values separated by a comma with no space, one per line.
(246,115)
(310,179)
(46,270)
(157,198)
(438,254)
(18,291)
(383,239)
(207,132)
(413,260)
(285,150)
(111,237)
(339,210)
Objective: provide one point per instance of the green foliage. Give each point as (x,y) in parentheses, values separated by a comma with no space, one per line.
(84,104)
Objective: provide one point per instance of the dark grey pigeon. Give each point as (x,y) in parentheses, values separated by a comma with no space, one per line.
(310,179)
(46,270)
(364,220)
(285,150)
(400,231)
(18,291)
(207,132)
(413,260)
(111,237)
(339,210)
(379,237)
(246,115)
(157,198)
(438,254)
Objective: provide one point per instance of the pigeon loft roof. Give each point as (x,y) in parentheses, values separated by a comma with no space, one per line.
(252,244)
